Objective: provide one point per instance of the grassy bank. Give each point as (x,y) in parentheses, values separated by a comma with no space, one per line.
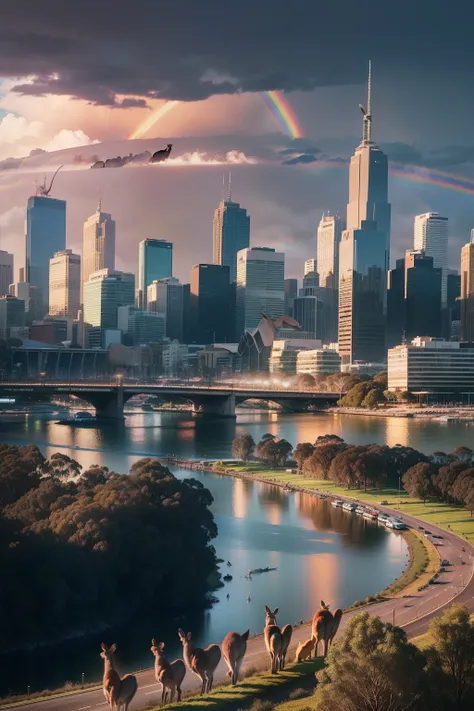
(447,516)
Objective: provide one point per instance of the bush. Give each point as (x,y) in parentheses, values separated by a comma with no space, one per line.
(262,705)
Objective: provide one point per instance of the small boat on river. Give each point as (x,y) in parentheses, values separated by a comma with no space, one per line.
(257,571)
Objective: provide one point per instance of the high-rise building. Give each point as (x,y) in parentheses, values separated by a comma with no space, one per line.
(362,291)
(291,292)
(45,235)
(328,238)
(310,284)
(453,312)
(231,233)
(319,363)
(368,181)
(467,291)
(142,327)
(431,234)
(422,296)
(310,265)
(6,272)
(166,297)
(396,304)
(64,284)
(12,314)
(260,286)
(212,304)
(364,252)
(104,292)
(307,310)
(98,244)
(155,262)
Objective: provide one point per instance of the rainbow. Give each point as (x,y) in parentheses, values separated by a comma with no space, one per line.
(276,101)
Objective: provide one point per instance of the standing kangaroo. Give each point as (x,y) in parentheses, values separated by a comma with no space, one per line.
(286,633)
(169,675)
(202,662)
(234,647)
(118,692)
(325,626)
(273,639)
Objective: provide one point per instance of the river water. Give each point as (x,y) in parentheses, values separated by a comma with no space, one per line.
(319,552)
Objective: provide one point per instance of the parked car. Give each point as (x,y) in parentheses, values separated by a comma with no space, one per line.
(383,503)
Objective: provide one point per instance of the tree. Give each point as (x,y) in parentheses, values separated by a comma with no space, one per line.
(463,454)
(356,395)
(452,652)
(372,398)
(445,479)
(243,447)
(462,485)
(344,466)
(60,466)
(372,667)
(418,480)
(469,500)
(302,452)
(318,464)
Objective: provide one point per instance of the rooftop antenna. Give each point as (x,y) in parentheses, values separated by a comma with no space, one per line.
(367,112)
(230,187)
(99,204)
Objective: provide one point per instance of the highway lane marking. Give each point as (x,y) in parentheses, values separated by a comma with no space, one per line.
(148,685)
(83,707)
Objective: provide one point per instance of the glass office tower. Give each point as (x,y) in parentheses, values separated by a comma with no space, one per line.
(155,262)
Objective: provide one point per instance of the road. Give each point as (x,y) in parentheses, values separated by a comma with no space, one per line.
(413,614)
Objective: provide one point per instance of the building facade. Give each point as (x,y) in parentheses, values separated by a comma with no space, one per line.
(104,292)
(327,248)
(431,234)
(12,314)
(142,327)
(166,296)
(467,290)
(422,296)
(318,362)
(290,287)
(430,366)
(231,233)
(284,354)
(212,304)
(310,265)
(45,235)
(65,284)
(6,272)
(98,244)
(260,286)
(155,262)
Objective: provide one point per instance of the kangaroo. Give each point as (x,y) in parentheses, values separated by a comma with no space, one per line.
(170,676)
(118,692)
(304,650)
(202,662)
(273,640)
(286,633)
(234,647)
(325,626)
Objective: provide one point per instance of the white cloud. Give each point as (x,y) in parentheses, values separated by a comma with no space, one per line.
(15,128)
(67,139)
(12,216)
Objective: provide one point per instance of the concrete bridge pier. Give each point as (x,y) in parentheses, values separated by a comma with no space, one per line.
(215,406)
(108,405)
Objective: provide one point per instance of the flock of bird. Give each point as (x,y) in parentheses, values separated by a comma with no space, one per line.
(119,692)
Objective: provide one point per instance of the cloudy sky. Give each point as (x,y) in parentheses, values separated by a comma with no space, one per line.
(78,79)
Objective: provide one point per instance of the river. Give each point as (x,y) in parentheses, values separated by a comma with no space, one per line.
(320,552)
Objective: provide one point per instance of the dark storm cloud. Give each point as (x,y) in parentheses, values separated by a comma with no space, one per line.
(445,157)
(192,49)
(301,159)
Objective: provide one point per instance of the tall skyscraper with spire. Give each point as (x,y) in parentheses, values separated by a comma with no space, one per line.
(364,251)
(98,244)
(231,233)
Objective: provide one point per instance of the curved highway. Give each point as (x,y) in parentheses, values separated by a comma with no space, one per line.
(414,613)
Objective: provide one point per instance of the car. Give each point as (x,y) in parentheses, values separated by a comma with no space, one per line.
(445,562)
(383,503)
(428,533)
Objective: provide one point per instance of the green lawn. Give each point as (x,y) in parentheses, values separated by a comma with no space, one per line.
(454,518)
(274,687)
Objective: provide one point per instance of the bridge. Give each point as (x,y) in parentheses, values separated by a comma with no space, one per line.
(218,400)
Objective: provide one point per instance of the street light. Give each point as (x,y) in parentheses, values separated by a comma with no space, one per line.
(399,486)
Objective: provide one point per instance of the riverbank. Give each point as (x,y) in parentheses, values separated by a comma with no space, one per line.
(441,413)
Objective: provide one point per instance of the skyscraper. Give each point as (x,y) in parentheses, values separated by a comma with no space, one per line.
(155,261)
(328,238)
(431,235)
(368,181)
(212,304)
(45,235)
(396,304)
(364,252)
(165,296)
(260,286)
(291,292)
(467,290)
(231,233)
(104,292)
(64,284)
(422,296)
(310,265)
(6,272)
(98,244)
(12,314)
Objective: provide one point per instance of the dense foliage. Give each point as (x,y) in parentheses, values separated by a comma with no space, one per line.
(373,666)
(366,393)
(448,477)
(243,447)
(82,549)
(273,451)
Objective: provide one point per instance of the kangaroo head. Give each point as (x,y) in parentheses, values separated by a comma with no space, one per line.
(108,652)
(270,618)
(183,636)
(157,647)
(324,606)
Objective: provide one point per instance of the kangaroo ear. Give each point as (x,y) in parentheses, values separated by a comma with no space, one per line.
(113,648)
(181,634)
(153,642)
(103,647)
(276,610)
(245,635)
(323,604)
(267,609)
(161,645)
(188,636)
